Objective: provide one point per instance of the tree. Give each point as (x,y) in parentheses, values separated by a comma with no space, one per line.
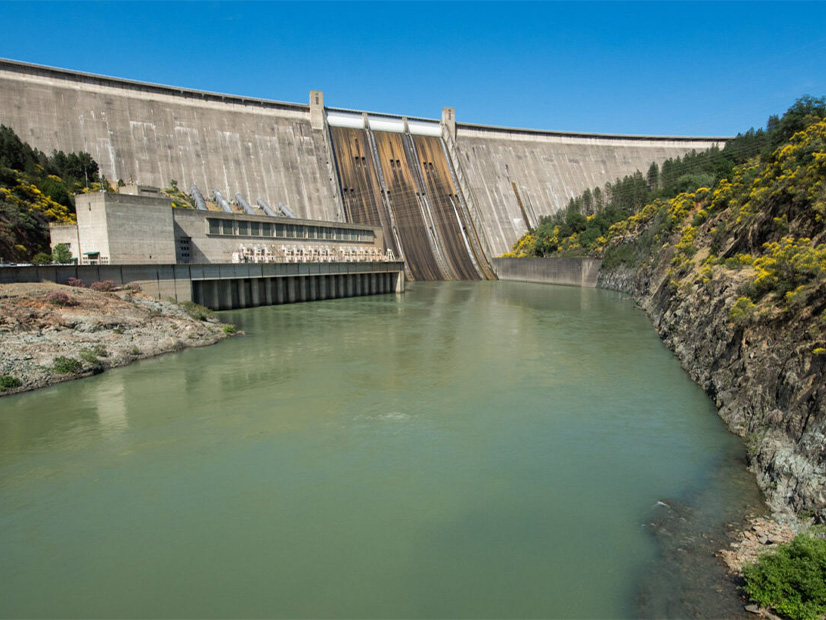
(61,253)
(653,177)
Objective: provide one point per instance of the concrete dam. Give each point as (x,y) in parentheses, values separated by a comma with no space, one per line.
(449,196)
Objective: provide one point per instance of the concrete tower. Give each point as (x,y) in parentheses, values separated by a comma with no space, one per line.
(317,109)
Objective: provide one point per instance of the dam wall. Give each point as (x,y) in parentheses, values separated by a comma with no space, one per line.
(150,134)
(516,176)
(449,196)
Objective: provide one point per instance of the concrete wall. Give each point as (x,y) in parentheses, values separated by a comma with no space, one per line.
(224,287)
(126,229)
(516,176)
(66,234)
(151,134)
(567,271)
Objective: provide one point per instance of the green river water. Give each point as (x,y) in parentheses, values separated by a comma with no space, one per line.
(464,450)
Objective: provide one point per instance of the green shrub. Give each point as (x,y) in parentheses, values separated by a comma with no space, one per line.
(7,382)
(66,365)
(41,258)
(135,351)
(617,255)
(229,329)
(197,311)
(742,311)
(791,580)
(89,357)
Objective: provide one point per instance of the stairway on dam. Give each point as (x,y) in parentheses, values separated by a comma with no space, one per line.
(449,196)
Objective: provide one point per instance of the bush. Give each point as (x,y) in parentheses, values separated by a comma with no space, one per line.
(59,298)
(105,287)
(89,357)
(7,382)
(75,282)
(135,351)
(742,310)
(229,329)
(66,365)
(41,258)
(792,580)
(197,311)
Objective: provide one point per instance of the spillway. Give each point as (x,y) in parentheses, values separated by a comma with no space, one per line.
(404,183)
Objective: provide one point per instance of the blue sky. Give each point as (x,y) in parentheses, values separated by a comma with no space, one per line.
(663,68)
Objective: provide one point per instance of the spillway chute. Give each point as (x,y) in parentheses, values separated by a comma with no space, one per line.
(222,202)
(266,208)
(198,197)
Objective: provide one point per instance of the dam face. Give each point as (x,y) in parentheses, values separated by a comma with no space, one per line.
(449,196)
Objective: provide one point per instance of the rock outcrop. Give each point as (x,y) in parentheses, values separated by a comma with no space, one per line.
(88,331)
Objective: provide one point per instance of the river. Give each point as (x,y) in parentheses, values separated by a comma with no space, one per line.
(464,450)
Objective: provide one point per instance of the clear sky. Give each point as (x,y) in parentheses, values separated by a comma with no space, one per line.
(672,68)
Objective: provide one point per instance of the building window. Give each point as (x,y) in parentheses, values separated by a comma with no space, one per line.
(279,230)
(266,230)
(226,227)
(255,229)
(214,227)
(243,228)
(184,244)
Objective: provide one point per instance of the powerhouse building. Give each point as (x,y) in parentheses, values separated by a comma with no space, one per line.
(120,229)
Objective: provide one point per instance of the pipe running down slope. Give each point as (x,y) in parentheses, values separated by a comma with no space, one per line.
(403,183)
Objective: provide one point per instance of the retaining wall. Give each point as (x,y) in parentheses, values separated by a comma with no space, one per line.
(567,271)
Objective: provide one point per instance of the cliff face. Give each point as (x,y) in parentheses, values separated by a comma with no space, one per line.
(763,375)
(734,280)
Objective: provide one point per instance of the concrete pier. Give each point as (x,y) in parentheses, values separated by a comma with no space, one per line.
(231,286)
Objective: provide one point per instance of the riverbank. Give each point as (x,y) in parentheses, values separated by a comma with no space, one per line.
(51,333)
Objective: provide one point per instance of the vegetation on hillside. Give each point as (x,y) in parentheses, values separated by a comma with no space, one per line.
(587,224)
(36,189)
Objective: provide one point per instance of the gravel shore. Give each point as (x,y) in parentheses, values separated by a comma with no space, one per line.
(99,330)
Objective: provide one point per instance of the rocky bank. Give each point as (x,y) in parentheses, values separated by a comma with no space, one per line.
(99,330)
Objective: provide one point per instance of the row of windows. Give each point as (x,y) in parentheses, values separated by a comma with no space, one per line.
(286,231)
